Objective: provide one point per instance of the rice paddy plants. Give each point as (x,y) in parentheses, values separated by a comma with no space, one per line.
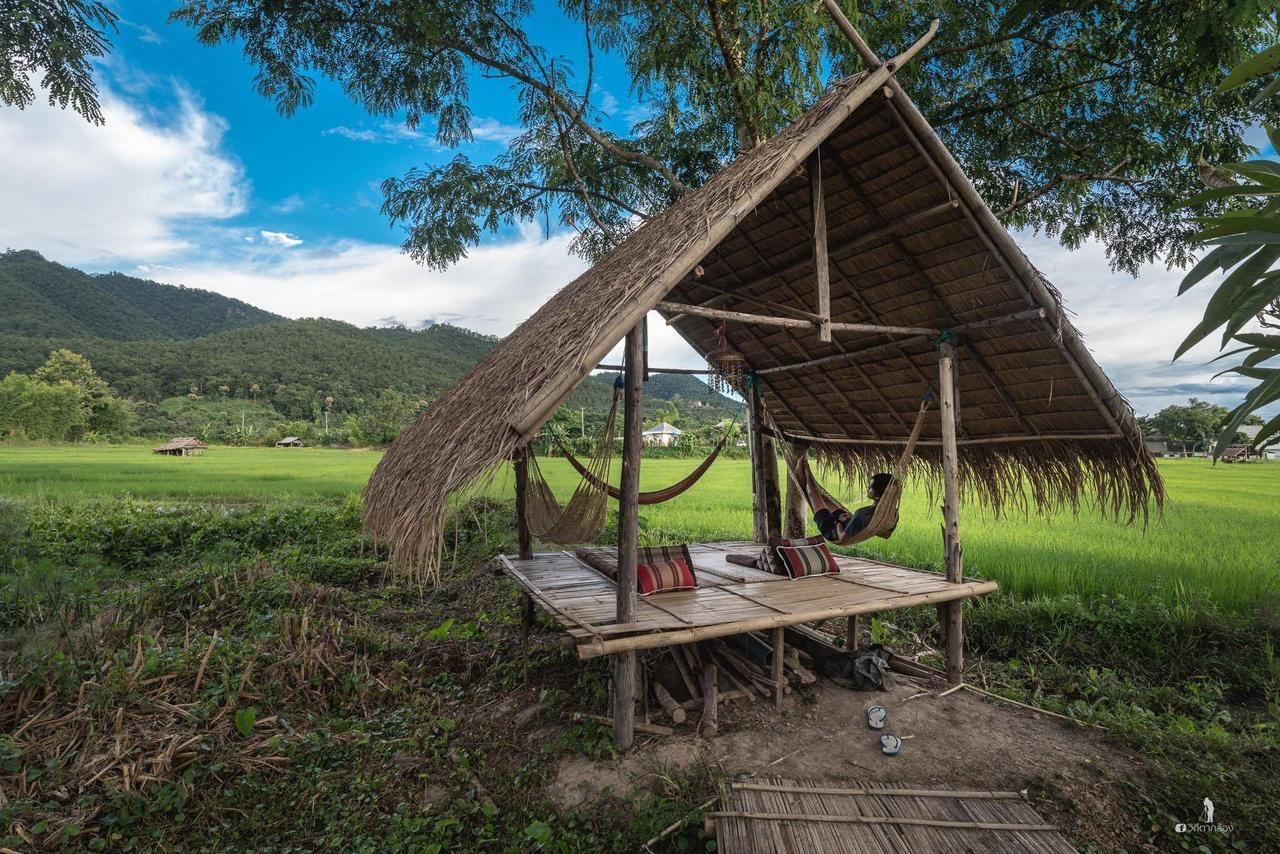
(1218,539)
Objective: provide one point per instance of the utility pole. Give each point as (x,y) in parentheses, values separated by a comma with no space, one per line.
(582,421)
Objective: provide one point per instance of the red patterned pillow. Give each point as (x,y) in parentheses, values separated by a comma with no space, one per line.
(801,558)
(665,576)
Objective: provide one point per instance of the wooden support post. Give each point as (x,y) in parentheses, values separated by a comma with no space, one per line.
(851,633)
(523,535)
(952,554)
(624,664)
(779,658)
(526,623)
(766,501)
(821,268)
(710,690)
(795,515)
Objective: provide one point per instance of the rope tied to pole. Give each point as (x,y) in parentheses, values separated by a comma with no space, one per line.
(946,336)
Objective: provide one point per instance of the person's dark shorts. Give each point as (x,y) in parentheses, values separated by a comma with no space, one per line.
(829,523)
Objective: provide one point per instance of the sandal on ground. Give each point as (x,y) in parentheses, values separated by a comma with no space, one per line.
(890,744)
(876,716)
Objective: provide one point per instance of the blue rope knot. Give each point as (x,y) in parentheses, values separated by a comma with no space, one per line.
(620,382)
(946,336)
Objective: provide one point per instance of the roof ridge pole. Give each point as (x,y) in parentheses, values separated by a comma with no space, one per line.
(624,664)
(951,614)
(851,33)
(821,269)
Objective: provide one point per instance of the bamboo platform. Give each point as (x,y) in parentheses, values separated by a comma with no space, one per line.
(764,816)
(731,600)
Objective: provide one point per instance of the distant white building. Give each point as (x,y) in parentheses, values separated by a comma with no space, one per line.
(1271,450)
(663,435)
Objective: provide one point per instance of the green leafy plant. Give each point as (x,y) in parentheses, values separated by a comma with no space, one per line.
(1246,241)
(245,719)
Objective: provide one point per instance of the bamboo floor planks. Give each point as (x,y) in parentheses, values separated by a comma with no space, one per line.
(731,599)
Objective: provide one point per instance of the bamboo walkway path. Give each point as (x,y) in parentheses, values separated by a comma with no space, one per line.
(764,816)
(731,600)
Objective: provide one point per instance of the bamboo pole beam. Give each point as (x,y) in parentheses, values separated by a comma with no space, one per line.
(988,323)
(849,32)
(710,687)
(777,660)
(952,554)
(795,513)
(596,646)
(787,322)
(821,269)
(523,535)
(871,792)
(843,249)
(639,726)
(766,501)
(624,669)
(878,819)
(526,623)
(544,402)
(691,371)
(981,440)
(1010,257)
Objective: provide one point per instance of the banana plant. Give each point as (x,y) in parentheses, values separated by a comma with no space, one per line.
(1245,241)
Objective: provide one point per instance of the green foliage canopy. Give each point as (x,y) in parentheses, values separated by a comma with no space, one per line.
(55,39)
(1246,241)
(1075,119)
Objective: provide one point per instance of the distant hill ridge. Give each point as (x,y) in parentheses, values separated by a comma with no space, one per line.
(45,299)
(153,341)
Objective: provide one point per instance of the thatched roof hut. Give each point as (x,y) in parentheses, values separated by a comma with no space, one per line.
(180,446)
(911,245)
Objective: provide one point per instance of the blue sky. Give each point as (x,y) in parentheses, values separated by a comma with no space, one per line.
(196,180)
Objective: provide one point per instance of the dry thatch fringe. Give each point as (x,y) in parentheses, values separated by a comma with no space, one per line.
(460,438)
(1044,477)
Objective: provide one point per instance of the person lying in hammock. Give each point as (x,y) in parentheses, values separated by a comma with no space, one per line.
(835,522)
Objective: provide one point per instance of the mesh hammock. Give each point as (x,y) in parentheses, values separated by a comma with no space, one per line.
(656,496)
(885,518)
(583,518)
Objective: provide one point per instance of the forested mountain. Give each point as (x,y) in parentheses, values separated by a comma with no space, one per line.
(293,363)
(148,341)
(45,299)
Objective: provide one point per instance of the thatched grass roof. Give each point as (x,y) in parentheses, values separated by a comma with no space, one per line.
(179,443)
(1040,422)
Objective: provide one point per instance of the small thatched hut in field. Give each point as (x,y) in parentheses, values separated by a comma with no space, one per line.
(180,446)
(851,269)
(289,442)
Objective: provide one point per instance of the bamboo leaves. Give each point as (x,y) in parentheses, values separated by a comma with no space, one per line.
(1248,240)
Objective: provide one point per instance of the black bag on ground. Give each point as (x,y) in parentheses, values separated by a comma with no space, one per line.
(861,670)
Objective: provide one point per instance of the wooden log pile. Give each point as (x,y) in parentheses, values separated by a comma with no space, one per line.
(702,675)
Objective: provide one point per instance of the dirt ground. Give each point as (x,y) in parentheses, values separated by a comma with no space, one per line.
(961,740)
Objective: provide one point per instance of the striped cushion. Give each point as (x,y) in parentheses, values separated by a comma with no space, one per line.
(659,554)
(801,558)
(665,576)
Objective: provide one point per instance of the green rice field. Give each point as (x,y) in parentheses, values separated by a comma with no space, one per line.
(1219,537)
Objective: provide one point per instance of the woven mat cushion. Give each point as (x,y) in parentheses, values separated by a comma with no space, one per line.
(799,558)
(665,576)
(605,561)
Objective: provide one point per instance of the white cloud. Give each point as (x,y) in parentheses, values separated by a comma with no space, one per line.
(368,284)
(280,238)
(355,134)
(492,130)
(1134,325)
(120,191)
(290,204)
